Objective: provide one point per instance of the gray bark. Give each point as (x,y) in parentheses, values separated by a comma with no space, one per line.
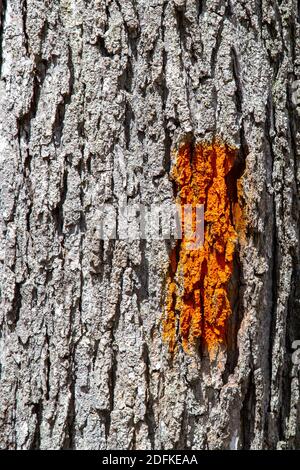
(94,97)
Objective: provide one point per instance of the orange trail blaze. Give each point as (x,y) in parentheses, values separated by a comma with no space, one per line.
(197,301)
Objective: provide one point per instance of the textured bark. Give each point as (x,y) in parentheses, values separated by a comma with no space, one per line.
(94,97)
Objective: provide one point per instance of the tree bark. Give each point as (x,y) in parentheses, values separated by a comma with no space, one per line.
(95,96)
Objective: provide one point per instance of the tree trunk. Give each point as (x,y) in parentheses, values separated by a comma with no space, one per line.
(95,97)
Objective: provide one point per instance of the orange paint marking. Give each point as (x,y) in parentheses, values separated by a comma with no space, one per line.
(197,303)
